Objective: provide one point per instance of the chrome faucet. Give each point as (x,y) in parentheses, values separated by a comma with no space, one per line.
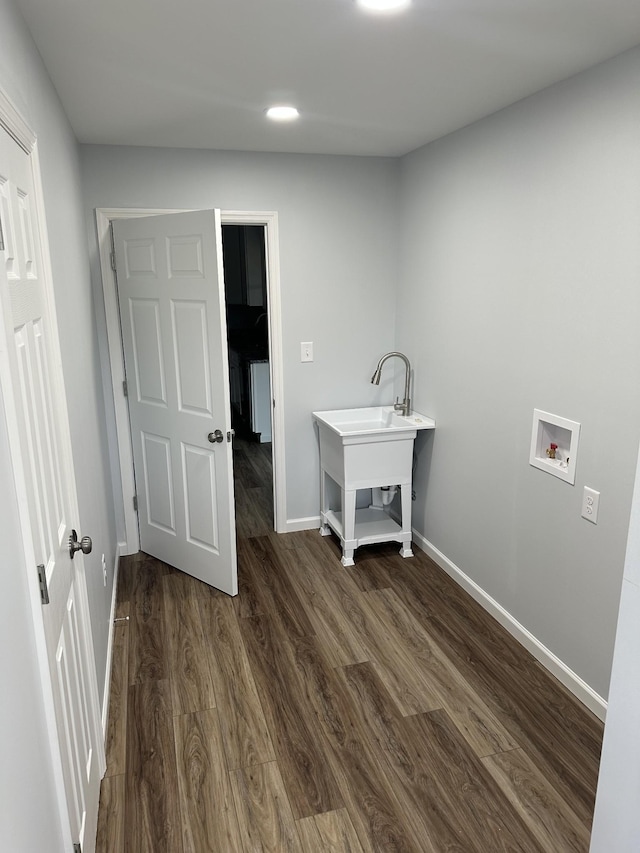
(405,406)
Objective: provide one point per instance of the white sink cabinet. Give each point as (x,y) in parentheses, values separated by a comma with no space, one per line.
(367,449)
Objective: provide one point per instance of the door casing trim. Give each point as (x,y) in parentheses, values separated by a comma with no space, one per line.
(269,219)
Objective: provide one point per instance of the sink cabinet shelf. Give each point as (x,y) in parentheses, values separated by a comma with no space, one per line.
(372,525)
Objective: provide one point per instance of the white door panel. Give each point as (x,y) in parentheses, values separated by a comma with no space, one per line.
(171,296)
(40,446)
(144,321)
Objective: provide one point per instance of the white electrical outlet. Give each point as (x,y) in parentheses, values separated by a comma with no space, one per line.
(306,351)
(590,503)
(104,570)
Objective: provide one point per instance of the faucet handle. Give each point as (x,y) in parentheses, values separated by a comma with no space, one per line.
(398,406)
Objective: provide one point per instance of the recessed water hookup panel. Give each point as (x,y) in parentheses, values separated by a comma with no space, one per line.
(554,445)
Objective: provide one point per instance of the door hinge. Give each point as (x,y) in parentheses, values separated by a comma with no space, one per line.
(42,582)
(77,848)
(125,388)
(135,503)
(1,238)
(112,258)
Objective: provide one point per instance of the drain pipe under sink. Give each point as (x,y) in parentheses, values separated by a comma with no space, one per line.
(382,496)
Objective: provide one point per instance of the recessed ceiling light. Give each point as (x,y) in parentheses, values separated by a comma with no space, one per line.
(383,5)
(282,113)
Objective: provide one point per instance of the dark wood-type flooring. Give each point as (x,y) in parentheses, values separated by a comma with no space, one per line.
(376,708)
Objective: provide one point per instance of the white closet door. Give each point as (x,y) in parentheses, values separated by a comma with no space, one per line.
(37,421)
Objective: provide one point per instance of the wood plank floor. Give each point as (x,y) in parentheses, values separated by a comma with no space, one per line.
(376,708)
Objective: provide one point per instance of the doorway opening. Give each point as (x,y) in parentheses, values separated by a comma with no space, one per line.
(247,310)
(128,534)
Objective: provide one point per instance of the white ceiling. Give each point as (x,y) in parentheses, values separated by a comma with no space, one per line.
(199,73)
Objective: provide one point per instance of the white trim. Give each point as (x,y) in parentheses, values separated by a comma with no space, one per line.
(106,693)
(104,217)
(15,125)
(556,667)
(12,122)
(312,522)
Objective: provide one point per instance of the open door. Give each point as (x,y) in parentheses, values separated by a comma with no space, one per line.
(171,296)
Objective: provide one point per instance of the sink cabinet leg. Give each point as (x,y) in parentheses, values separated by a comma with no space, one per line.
(405,498)
(348,526)
(325,530)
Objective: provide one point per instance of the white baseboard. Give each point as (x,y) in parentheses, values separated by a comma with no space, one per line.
(126,550)
(551,662)
(295,524)
(121,547)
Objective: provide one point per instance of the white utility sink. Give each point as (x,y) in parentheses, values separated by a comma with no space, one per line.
(368,448)
(373,421)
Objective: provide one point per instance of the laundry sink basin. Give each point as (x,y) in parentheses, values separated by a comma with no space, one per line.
(373,422)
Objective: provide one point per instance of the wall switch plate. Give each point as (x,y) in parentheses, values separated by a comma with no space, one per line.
(590,503)
(306,351)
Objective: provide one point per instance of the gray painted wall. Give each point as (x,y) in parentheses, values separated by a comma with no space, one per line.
(28,815)
(338,255)
(519,290)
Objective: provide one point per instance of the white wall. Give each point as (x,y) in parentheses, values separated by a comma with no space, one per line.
(28,816)
(338,255)
(519,289)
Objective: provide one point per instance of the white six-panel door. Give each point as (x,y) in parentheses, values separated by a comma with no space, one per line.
(36,413)
(172,312)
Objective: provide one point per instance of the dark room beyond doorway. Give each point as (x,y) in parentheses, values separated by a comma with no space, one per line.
(245,272)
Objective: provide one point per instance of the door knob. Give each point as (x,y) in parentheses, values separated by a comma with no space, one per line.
(85,544)
(215,436)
